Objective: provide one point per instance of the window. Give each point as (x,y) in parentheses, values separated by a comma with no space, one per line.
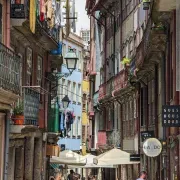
(64,51)
(74,127)
(80,59)
(21,75)
(39,70)
(79,126)
(74,91)
(63,88)
(29,66)
(69,89)
(79,93)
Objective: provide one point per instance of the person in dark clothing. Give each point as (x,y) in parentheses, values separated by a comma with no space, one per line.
(71,175)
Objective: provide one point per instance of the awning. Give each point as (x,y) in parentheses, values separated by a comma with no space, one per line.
(69,158)
(113,157)
(90,164)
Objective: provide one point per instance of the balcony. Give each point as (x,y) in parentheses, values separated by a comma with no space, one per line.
(102,91)
(45,36)
(149,51)
(9,75)
(26,113)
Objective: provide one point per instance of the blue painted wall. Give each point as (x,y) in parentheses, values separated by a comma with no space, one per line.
(76,76)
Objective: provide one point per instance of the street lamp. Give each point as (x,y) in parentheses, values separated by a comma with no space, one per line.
(71,60)
(65,101)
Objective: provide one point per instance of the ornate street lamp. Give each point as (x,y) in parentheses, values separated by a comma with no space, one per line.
(71,60)
(65,101)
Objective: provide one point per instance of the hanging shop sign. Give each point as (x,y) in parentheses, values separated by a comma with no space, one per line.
(17,10)
(152,147)
(146,134)
(171,116)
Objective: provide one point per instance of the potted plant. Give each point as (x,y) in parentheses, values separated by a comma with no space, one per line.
(159,26)
(18,117)
(126,61)
(146,4)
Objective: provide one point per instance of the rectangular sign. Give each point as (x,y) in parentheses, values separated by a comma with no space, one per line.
(135,157)
(146,134)
(17,11)
(171,115)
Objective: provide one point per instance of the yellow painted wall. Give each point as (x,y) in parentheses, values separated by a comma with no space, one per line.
(85,87)
(84,118)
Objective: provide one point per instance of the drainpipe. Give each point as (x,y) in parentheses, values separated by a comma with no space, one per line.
(163,84)
(8,23)
(7,125)
(114,68)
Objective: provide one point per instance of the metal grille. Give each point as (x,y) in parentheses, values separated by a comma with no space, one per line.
(9,70)
(31,106)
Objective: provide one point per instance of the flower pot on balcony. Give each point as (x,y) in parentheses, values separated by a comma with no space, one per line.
(146,4)
(18,119)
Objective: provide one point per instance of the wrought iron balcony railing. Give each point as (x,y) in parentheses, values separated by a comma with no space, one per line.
(9,70)
(102,91)
(120,80)
(31,106)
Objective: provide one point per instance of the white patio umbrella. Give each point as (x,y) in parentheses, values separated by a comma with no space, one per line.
(113,157)
(90,164)
(69,158)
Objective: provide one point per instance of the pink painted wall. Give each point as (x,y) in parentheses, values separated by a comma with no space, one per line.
(6,22)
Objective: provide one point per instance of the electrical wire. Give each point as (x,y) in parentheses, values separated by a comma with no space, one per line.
(69,90)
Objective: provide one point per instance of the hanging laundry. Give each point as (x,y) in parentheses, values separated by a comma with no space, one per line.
(42,10)
(32,15)
(69,120)
(49,9)
(58,13)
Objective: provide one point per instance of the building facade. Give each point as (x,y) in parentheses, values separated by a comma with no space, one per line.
(10,84)
(138,75)
(72,86)
(29,40)
(85,34)
(85,99)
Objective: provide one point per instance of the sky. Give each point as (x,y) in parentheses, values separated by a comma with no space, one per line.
(83,20)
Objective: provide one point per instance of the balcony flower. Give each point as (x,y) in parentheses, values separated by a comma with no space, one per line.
(158,26)
(126,61)
(18,116)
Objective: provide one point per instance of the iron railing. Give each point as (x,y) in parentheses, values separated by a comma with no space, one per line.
(31,103)
(120,80)
(102,91)
(9,70)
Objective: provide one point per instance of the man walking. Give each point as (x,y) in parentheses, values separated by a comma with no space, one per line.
(71,175)
(143,175)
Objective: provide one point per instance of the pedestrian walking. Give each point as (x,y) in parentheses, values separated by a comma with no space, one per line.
(143,175)
(71,175)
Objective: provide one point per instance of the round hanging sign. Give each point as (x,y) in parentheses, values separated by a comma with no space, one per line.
(152,147)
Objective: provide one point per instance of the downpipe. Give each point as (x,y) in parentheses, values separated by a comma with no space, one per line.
(6,152)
